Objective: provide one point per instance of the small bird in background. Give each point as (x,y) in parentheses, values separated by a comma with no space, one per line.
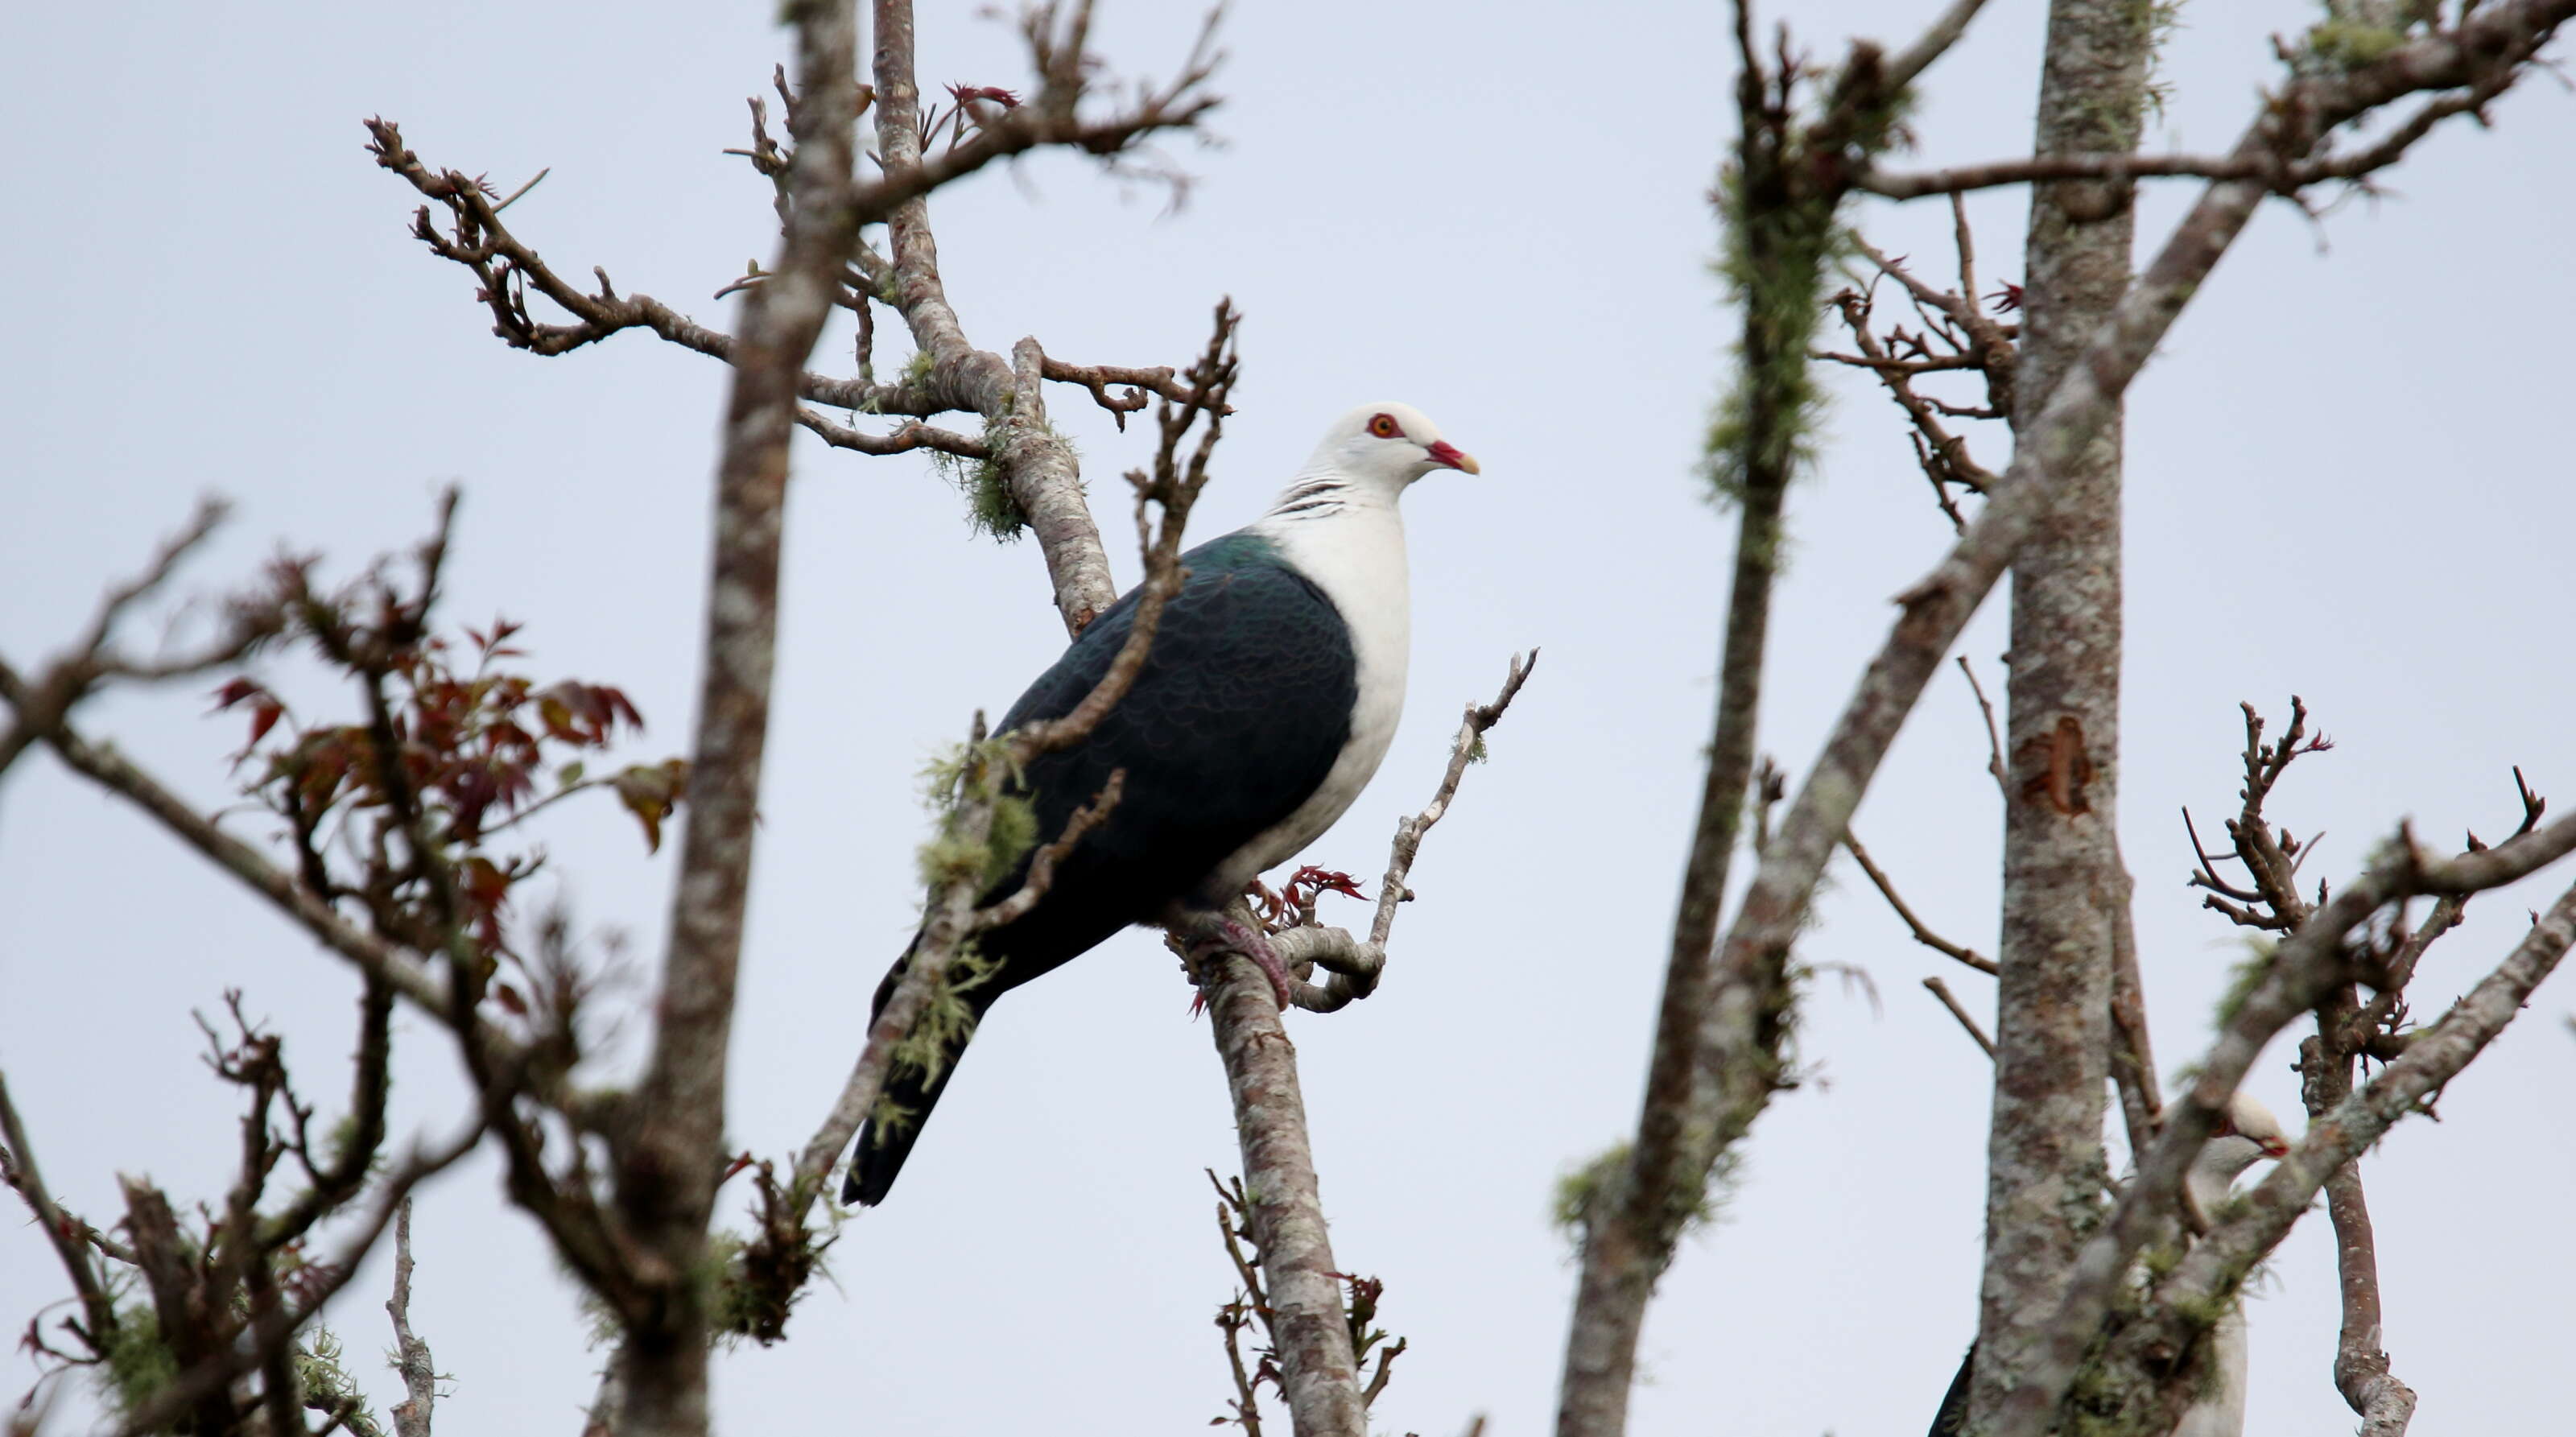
(1269,694)
(2246,1135)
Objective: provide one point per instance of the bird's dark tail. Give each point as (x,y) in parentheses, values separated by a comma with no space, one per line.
(1952,1419)
(910,1091)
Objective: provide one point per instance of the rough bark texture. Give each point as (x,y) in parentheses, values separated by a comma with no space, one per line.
(1316,1369)
(668,1164)
(413,1415)
(2361,1367)
(1039,467)
(2044,1149)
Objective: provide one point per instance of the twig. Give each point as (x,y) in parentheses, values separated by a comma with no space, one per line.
(1950,1001)
(2284,177)
(373,956)
(1356,966)
(2133,1058)
(1994,737)
(1250,1302)
(41,704)
(69,1235)
(1935,41)
(911,435)
(1925,936)
(412,1359)
(1141,382)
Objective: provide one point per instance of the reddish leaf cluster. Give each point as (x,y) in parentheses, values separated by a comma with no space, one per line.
(455,747)
(967,94)
(1294,904)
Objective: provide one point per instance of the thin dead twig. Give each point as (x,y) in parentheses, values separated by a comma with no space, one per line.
(69,1235)
(1233,1221)
(1994,736)
(1950,1001)
(906,438)
(1356,966)
(1139,383)
(1887,889)
(42,703)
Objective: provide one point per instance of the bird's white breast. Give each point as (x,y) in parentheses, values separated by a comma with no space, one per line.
(1354,552)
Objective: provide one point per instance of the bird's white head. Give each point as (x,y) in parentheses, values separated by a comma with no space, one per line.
(2246,1134)
(1386,446)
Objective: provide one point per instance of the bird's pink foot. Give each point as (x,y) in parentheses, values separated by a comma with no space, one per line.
(1227,935)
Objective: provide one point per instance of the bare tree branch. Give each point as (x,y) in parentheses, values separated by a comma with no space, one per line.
(911,436)
(411,1355)
(372,955)
(2361,1367)
(669,1160)
(1037,465)
(41,704)
(1925,936)
(1318,1373)
(2286,179)
(274,1329)
(1784,188)
(1909,63)
(2216,1265)
(69,1235)
(1950,1001)
(1356,965)
(2133,1058)
(2299,973)
(1751,990)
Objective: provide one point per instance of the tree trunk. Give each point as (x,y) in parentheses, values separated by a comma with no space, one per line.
(2061,885)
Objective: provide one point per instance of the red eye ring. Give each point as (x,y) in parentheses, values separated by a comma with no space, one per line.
(1385,427)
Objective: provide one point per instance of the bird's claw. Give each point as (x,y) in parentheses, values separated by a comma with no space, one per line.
(1233,937)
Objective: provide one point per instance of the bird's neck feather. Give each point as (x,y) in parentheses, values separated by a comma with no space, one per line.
(2212,1176)
(1347,535)
(1350,543)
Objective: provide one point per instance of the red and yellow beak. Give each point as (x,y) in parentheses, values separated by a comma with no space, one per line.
(1444,452)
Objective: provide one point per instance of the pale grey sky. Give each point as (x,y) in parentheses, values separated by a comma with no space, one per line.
(2347,481)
